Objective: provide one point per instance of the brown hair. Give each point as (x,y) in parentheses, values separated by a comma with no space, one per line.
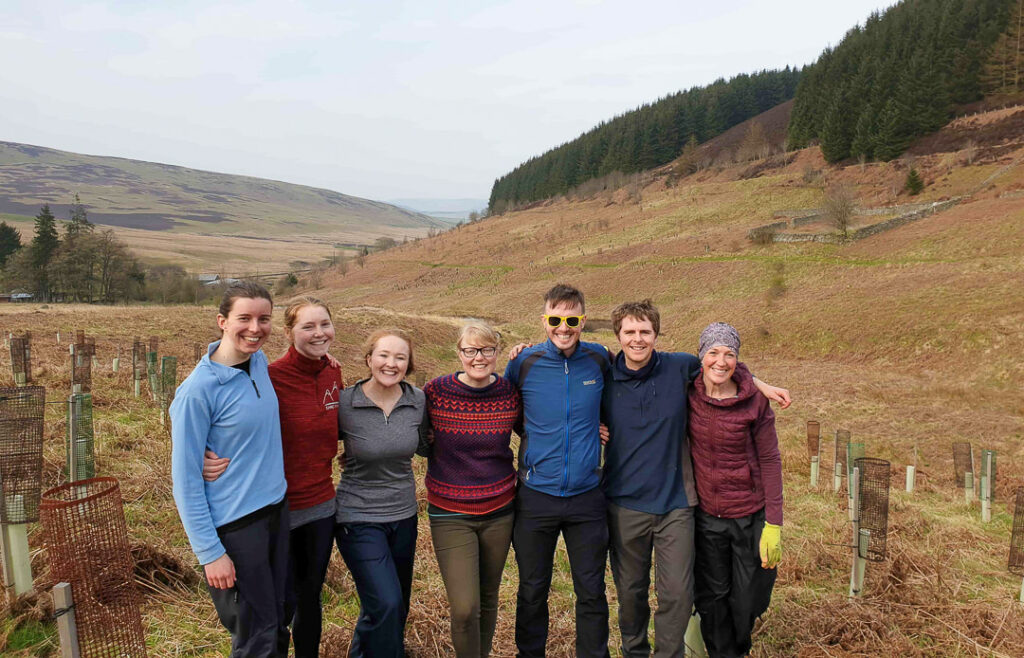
(242,290)
(371,343)
(479,329)
(642,310)
(563,293)
(291,313)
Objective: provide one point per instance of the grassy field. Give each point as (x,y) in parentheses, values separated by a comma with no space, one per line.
(910,339)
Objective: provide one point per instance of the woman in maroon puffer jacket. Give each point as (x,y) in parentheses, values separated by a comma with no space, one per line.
(738,471)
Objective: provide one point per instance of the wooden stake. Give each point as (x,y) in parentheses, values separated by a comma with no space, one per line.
(863,540)
(854,484)
(911,474)
(63,607)
(969,487)
(115,364)
(837,478)
(814,472)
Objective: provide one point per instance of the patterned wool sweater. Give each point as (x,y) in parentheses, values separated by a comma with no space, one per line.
(470,470)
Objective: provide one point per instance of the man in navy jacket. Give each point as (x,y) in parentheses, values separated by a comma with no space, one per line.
(561,382)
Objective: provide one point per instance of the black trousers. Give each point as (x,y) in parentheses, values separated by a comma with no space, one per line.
(253,610)
(309,554)
(582,520)
(732,590)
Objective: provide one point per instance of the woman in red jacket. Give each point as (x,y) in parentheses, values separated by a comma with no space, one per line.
(307,382)
(738,471)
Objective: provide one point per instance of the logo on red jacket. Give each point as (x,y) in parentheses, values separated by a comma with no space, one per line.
(331,397)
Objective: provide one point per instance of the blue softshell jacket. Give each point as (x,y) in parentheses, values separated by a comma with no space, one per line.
(560,451)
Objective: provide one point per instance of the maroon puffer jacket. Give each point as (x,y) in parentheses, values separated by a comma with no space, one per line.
(736,459)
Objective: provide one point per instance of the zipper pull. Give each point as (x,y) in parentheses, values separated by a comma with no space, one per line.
(566,364)
(254,387)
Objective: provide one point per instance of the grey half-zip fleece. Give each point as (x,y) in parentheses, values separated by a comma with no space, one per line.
(377,485)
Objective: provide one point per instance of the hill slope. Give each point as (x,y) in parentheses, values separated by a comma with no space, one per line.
(911,339)
(135,196)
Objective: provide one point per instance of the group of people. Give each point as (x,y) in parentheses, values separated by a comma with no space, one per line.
(690,471)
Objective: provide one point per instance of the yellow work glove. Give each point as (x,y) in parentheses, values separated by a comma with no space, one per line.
(771,546)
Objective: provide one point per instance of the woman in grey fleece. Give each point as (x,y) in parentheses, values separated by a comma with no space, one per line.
(382,422)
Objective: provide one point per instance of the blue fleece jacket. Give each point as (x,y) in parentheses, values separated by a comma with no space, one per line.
(560,450)
(647,465)
(235,415)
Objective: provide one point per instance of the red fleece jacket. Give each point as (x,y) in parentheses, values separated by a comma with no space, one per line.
(307,394)
(735,451)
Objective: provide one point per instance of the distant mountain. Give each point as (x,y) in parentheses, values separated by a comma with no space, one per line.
(452,210)
(158,197)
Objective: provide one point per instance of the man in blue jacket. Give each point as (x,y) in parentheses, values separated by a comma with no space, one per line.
(648,480)
(561,382)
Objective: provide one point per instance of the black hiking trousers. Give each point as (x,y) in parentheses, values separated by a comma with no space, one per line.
(732,590)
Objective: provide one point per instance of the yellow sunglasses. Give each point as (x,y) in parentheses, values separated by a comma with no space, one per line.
(569,320)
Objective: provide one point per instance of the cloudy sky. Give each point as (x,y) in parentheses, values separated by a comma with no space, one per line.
(379,99)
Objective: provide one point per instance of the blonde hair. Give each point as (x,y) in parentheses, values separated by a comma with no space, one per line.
(479,329)
(291,313)
(370,344)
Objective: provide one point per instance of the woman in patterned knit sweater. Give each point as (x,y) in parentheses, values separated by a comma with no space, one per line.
(471,485)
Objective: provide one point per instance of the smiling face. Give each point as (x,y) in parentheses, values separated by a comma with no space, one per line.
(245,328)
(719,363)
(389,361)
(637,338)
(563,336)
(313,332)
(477,368)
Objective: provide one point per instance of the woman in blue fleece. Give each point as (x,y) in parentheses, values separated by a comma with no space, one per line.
(238,524)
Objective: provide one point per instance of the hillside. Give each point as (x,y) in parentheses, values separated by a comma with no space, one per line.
(911,339)
(169,213)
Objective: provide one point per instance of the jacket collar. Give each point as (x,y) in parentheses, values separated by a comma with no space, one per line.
(222,372)
(745,388)
(621,373)
(550,349)
(305,364)
(359,398)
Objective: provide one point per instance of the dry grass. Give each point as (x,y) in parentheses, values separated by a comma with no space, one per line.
(910,339)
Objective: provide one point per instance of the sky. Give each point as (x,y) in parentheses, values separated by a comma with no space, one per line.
(378,99)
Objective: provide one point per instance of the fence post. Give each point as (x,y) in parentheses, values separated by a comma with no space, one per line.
(64,610)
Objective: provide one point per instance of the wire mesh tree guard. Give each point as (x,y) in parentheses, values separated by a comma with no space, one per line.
(21,452)
(81,367)
(81,462)
(168,384)
(963,462)
(873,501)
(842,444)
(813,439)
(1016,563)
(138,365)
(87,546)
(21,360)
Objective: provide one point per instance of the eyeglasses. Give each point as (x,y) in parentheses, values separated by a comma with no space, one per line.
(569,320)
(471,352)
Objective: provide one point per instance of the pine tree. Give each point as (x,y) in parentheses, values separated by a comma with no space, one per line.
(893,136)
(10,242)
(835,134)
(79,221)
(43,246)
(914,184)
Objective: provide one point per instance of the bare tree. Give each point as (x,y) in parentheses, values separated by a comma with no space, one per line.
(839,208)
